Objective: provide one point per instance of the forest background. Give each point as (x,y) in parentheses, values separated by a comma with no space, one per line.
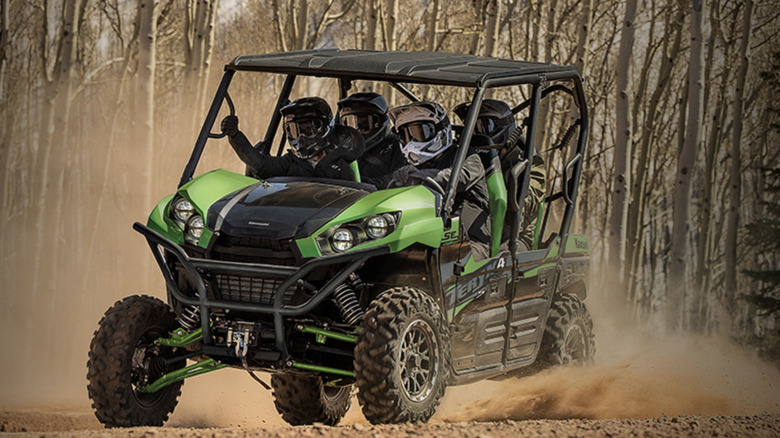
(101,102)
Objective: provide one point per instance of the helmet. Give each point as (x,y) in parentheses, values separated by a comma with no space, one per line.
(495,119)
(307,122)
(365,112)
(423,129)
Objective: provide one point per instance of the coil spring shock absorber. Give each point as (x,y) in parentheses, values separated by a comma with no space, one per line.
(346,300)
(190,317)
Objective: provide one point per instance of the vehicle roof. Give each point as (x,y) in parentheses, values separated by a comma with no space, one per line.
(413,67)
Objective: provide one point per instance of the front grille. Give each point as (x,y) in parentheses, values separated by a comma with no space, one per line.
(253,250)
(253,290)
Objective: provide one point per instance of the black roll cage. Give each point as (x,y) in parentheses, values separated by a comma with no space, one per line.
(539,80)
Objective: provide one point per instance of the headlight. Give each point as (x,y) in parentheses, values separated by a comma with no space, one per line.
(341,240)
(182,210)
(377,227)
(195,227)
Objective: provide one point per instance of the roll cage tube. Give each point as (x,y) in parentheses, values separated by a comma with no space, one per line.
(568,215)
(536,96)
(273,125)
(211,116)
(460,157)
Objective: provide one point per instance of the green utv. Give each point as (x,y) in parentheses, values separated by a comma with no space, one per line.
(333,285)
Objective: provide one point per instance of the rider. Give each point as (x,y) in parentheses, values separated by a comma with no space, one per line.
(319,148)
(496,120)
(426,139)
(366,112)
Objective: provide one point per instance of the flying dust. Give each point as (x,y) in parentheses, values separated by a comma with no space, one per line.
(636,374)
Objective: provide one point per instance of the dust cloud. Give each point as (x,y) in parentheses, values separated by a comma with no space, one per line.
(638,372)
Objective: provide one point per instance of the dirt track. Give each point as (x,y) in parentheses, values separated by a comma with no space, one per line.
(641,385)
(73,424)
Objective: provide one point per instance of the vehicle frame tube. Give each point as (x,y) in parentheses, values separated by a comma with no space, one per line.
(279,310)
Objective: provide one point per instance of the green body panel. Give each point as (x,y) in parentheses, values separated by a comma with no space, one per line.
(418,222)
(534,272)
(355,169)
(206,189)
(538,226)
(498,199)
(577,244)
(472,265)
(161,222)
(202,191)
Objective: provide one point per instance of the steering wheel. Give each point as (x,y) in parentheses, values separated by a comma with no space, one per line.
(232,113)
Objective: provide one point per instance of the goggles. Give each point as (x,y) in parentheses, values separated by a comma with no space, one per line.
(304,127)
(487,125)
(417,132)
(363,123)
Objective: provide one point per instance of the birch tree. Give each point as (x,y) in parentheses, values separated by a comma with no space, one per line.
(623,153)
(735,174)
(686,160)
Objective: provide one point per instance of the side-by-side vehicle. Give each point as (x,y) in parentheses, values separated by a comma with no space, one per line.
(337,287)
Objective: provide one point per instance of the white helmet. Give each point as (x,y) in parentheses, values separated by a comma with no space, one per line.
(423,129)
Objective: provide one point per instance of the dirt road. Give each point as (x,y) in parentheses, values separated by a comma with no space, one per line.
(64,424)
(641,385)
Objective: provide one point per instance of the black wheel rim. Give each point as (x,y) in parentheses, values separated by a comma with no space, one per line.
(146,367)
(574,348)
(418,360)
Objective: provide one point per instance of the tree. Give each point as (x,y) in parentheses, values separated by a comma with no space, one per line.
(686,159)
(735,194)
(622,154)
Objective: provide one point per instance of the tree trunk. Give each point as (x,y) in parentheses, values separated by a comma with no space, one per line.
(623,129)
(493,17)
(670,53)
(301,24)
(371,20)
(147,10)
(4,38)
(686,160)
(199,33)
(735,181)
(432,40)
(583,36)
(390,16)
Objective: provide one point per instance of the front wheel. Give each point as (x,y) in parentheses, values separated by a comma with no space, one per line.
(302,399)
(402,357)
(123,358)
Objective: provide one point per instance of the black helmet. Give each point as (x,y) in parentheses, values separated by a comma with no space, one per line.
(307,122)
(365,112)
(495,119)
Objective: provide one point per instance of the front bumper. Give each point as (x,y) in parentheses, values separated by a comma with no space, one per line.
(196,268)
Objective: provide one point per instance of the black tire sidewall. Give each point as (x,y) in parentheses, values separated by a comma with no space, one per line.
(110,364)
(301,400)
(381,390)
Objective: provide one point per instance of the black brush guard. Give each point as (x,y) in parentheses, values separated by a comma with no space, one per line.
(197,267)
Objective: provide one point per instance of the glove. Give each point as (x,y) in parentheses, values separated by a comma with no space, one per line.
(401,175)
(230,126)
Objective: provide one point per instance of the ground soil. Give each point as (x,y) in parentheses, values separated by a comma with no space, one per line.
(65,424)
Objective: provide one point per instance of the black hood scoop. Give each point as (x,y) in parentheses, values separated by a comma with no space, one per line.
(282,208)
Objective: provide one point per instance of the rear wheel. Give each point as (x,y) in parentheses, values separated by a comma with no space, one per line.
(124,358)
(302,399)
(568,336)
(402,357)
